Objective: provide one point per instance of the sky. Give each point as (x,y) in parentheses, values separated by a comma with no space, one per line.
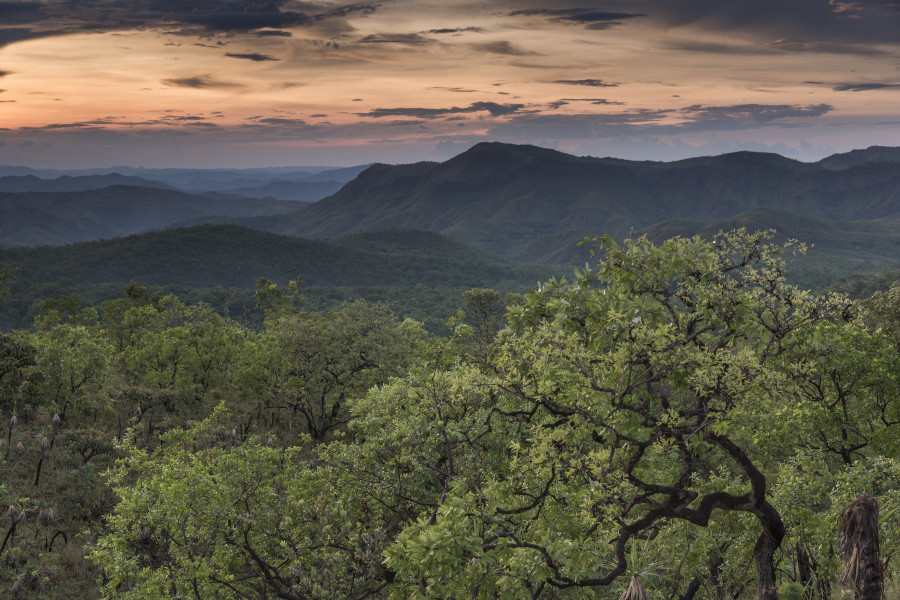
(253,83)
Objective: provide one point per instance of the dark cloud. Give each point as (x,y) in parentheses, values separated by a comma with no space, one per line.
(255,57)
(21,13)
(503,47)
(598,101)
(857,21)
(199,82)
(11,35)
(273,33)
(194,17)
(395,38)
(715,48)
(864,87)
(4,73)
(587,82)
(455,30)
(587,17)
(651,122)
(496,110)
(281,121)
(752,115)
(825,48)
(452,89)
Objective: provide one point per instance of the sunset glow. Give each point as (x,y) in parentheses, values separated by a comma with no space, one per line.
(245,83)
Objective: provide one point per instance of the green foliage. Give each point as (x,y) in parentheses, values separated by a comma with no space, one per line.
(677,416)
(312,365)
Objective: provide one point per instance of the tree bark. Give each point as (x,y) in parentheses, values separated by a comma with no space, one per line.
(764,556)
(859,545)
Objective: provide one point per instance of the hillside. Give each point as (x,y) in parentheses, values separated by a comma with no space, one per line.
(68,183)
(42,218)
(226,255)
(504,198)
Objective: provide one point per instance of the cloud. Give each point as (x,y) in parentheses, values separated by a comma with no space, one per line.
(199,82)
(395,38)
(598,101)
(21,13)
(281,121)
(255,57)
(273,33)
(744,116)
(455,30)
(587,82)
(825,48)
(864,22)
(495,110)
(502,47)
(694,119)
(452,89)
(864,87)
(716,48)
(193,17)
(589,18)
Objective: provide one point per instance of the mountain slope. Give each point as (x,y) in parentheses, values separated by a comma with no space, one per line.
(39,218)
(67,183)
(225,255)
(502,197)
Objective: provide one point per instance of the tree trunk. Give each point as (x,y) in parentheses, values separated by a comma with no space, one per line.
(858,541)
(764,556)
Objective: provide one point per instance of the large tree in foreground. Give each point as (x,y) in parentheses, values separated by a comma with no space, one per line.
(630,389)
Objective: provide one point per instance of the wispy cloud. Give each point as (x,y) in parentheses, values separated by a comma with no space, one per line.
(587,82)
(395,38)
(199,82)
(586,17)
(254,56)
(502,47)
(864,87)
(495,110)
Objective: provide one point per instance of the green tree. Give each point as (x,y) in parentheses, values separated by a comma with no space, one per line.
(624,384)
(255,522)
(311,364)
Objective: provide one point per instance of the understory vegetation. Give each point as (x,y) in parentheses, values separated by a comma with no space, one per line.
(673,422)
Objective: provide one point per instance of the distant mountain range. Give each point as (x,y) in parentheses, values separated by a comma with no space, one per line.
(56,218)
(519,202)
(298,184)
(523,201)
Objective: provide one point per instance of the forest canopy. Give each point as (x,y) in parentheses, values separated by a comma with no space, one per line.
(674,417)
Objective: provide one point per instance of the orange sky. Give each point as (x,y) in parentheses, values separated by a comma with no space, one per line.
(251,83)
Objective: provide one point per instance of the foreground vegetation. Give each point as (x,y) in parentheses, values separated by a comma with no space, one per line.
(677,416)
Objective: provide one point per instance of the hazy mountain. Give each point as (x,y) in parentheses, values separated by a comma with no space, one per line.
(68,183)
(39,218)
(504,198)
(293,191)
(873,154)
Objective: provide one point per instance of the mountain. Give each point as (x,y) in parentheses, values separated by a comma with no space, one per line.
(40,218)
(511,200)
(226,255)
(292,191)
(872,154)
(67,183)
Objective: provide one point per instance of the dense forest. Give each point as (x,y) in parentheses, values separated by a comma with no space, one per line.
(675,421)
